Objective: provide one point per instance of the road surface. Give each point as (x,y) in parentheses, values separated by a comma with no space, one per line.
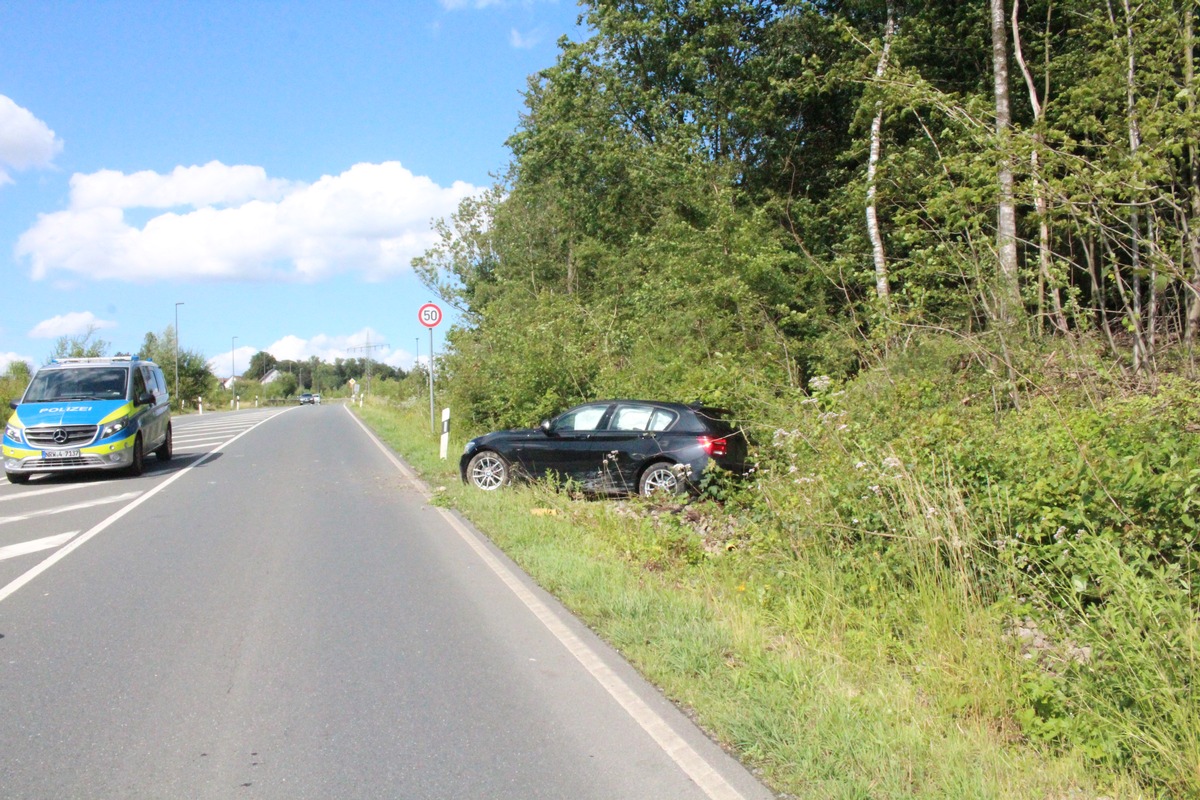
(278,612)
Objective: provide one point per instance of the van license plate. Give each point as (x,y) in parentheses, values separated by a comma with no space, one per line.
(60,454)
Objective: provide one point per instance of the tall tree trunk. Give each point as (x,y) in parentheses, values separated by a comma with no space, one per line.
(883,287)
(1193,155)
(1137,320)
(1008,290)
(1046,283)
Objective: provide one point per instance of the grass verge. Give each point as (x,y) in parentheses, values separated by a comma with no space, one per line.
(905,694)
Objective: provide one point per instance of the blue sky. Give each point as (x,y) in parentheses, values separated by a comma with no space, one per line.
(274,166)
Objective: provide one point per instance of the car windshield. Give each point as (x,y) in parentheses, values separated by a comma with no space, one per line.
(92,383)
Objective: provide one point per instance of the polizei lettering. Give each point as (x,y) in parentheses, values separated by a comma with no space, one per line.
(63,409)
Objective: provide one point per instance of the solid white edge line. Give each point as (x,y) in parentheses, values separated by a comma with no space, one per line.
(75,544)
(695,766)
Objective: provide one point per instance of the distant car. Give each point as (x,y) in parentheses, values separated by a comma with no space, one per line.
(316,399)
(612,447)
(306,399)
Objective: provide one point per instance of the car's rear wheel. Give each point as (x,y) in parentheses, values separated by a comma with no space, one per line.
(488,471)
(17,477)
(138,465)
(659,478)
(167,448)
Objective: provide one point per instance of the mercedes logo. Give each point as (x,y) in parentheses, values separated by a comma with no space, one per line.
(60,436)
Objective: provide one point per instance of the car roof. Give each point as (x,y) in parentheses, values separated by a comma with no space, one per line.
(677,406)
(113,361)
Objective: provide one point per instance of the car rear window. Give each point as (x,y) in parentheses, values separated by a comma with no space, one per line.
(716,420)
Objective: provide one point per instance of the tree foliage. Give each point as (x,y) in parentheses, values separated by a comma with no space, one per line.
(726,145)
(195,378)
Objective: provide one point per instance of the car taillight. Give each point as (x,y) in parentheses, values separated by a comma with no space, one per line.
(713,447)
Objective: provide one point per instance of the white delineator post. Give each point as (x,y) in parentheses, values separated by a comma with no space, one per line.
(445,432)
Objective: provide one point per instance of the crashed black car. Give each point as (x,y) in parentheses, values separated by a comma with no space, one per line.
(612,447)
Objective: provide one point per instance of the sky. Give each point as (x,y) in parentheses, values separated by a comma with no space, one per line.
(263,171)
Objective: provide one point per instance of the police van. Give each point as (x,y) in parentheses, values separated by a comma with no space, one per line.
(89,413)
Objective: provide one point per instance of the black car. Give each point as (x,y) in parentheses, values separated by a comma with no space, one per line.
(611,447)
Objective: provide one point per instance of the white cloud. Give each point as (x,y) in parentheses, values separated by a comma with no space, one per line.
(237,357)
(524,41)
(331,348)
(212,184)
(8,359)
(458,5)
(326,348)
(235,223)
(75,323)
(25,141)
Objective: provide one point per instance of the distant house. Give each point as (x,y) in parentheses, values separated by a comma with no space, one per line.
(228,383)
(272,376)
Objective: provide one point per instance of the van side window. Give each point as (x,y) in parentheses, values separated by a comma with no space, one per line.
(139,384)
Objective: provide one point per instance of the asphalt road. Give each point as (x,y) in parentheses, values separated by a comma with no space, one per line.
(279,613)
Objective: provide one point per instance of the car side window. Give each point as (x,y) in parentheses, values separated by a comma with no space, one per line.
(630,418)
(585,418)
(139,384)
(661,419)
(160,381)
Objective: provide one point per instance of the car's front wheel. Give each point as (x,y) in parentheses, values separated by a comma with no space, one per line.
(138,465)
(660,478)
(488,471)
(167,448)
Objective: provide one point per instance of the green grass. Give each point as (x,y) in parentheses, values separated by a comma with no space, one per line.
(830,677)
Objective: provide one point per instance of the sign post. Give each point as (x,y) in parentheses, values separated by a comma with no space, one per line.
(430,316)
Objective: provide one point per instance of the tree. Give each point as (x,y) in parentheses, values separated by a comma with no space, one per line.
(80,346)
(195,379)
(261,363)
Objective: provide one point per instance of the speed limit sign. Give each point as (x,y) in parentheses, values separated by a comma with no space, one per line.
(430,315)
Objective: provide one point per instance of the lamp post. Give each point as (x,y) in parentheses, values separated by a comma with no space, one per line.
(177,305)
(233,367)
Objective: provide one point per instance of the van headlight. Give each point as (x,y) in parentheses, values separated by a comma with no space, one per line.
(12,432)
(114,428)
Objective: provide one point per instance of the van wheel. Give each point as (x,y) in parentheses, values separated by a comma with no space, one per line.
(138,466)
(167,448)
(17,477)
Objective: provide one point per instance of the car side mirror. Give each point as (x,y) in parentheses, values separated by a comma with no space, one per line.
(145,399)
(13,404)
(545,427)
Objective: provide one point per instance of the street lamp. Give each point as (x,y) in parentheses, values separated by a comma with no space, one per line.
(177,305)
(233,367)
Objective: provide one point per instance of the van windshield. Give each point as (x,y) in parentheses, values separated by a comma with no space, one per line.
(93,383)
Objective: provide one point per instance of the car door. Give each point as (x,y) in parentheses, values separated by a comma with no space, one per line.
(630,441)
(565,447)
(154,428)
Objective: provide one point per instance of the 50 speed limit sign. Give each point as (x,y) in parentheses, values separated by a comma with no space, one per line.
(430,315)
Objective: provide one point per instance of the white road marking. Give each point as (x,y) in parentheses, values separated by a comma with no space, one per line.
(44,512)
(103,525)
(694,765)
(21,494)
(35,545)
